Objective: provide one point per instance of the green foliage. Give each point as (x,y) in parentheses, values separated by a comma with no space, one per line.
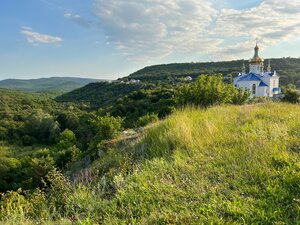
(8,166)
(32,143)
(141,103)
(210,90)
(222,165)
(239,96)
(68,120)
(42,126)
(145,120)
(287,68)
(25,171)
(291,94)
(107,127)
(65,150)
(66,139)
(101,95)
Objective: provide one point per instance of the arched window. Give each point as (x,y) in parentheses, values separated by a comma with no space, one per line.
(254,89)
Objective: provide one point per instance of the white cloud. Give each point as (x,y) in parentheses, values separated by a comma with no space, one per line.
(35,38)
(272,21)
(153,28)
(78,20)
(26,28)
(149,29)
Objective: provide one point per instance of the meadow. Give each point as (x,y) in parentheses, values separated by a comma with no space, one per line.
(221,165)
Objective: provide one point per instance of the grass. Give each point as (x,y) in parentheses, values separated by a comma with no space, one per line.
(223,165)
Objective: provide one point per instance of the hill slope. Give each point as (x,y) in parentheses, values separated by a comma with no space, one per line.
(101,94)
(288,68)
(223,165)
(104,94)
(60,84)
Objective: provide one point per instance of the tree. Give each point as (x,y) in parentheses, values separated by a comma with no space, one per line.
(291,94)
(240,96)
(68,120)
(210,90)
(42,126)
(107,126)
(65,151)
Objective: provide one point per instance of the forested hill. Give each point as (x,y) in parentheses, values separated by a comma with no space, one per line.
(106,94)
(102,94)
(288,68)
(52,84)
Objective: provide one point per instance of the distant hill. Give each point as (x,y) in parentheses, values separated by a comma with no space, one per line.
(288,69)
(52,84)
(107,94)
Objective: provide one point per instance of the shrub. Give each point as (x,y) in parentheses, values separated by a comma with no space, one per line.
(65,151)
(107,126)
(291,95)
(146,119)
(210,90)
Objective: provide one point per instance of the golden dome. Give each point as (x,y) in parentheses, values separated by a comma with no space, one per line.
(256,59)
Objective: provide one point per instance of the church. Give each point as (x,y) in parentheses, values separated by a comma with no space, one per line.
(259,82)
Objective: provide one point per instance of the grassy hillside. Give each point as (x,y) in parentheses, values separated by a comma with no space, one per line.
(53,84)
(288,69)
(223,165)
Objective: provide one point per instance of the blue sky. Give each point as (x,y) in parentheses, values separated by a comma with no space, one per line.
(113,38)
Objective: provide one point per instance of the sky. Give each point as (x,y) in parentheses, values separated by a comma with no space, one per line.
(108,39)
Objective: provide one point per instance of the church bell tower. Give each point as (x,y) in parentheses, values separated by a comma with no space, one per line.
(256,63)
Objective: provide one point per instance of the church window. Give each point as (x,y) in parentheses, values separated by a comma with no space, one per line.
(254,89)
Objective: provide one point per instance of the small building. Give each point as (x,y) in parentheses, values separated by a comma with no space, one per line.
(259,82)
(133,81)
(188,78)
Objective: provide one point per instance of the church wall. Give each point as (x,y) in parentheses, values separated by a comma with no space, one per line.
(262,91)
(248,85)
(274,83)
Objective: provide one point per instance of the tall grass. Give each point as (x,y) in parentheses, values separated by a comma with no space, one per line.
(222,165)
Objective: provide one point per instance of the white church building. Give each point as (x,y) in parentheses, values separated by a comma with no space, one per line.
(259,82)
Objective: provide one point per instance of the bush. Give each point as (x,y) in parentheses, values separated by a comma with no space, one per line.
(65,151)
(42,126)
(291,95)
(259,99)
(210,90)
(107,126)
(146,119)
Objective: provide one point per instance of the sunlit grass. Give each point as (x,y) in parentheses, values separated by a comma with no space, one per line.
(222,165)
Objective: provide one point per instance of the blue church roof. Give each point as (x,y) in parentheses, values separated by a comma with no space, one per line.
(262,84)
(250,77)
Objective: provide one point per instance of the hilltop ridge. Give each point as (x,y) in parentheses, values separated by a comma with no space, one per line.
(58,84)
(288,69)
(106,94)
